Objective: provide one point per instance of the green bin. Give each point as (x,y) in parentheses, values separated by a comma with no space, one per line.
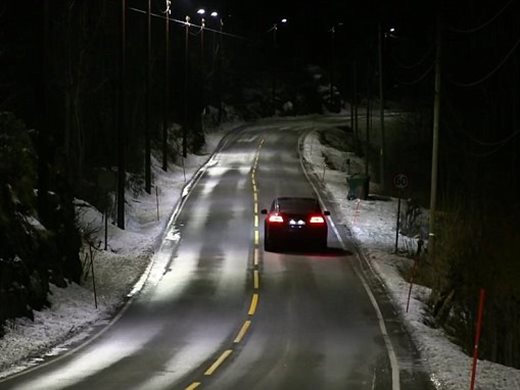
(358,186)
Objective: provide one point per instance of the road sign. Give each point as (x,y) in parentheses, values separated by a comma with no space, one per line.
(401,181)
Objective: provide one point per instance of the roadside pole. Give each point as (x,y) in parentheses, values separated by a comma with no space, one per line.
(477,337)
(397,224)
(401,183)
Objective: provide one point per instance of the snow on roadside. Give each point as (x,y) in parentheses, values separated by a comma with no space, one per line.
(372,223)
(72,313)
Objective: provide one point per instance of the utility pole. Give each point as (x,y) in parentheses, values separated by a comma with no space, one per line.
(167,89)
(275,50)
(202,69)
(435,144)
(355,100)
(381,111)
(121,124)
(43,131)
(367,135)
(331,76)
(147,163)
(186,83)
(202,26)
(220,73)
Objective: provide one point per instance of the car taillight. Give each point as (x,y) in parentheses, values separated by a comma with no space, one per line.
(275,218)
(317,219)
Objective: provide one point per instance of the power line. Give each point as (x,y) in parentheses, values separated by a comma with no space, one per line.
(481,26)
(460,129)
(416,64)
(419,79)
(183,22)
(488,75)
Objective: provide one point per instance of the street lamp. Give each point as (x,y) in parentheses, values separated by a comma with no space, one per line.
(167,12)
(275,50)
(201,12)
(186,82)
(332,31)
(147,164)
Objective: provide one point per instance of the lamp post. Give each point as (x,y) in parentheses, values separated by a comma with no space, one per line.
(382,155)
(186,82)
(121,125)
(167,89)
(147,164)
(333,59)
(202,12)
(202,76)
(219,70)
(275,51)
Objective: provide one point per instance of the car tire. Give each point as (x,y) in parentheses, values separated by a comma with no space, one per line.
(267,245)
(322,244)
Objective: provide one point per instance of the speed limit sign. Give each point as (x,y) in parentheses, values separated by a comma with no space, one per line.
(401,181)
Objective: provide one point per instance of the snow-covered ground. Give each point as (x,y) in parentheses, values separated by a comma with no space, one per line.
(372,222)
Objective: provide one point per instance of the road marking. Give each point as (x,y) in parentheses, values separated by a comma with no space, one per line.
(255,196)
(256,221)
(218,362)
(394,363)
(257,237)
(254,303)
(255,259)
(193,386)
(242,332)
(256,208)
(256,279)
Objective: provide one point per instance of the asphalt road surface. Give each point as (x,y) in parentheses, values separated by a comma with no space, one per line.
(218,312)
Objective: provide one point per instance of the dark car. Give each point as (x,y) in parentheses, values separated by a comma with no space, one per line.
(295,220)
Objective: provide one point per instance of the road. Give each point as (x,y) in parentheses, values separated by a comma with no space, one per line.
(218,312)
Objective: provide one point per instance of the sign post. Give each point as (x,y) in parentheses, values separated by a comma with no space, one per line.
(400,182)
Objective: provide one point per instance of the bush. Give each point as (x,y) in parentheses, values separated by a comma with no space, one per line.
(477,248)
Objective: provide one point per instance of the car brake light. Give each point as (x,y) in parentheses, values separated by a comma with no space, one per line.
(317,219)
(275,218)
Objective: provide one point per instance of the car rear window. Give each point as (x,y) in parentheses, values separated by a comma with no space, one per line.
(299,205)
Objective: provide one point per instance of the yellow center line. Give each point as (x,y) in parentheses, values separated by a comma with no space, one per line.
(254,303)
(256,279)
(257,237)
(256,221)
(255,196)
(256,208)
(193,386)
(218,362)
(242,332)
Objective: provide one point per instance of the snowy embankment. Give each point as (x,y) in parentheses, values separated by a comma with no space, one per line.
(73,313)
(116,270)
(372,223)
